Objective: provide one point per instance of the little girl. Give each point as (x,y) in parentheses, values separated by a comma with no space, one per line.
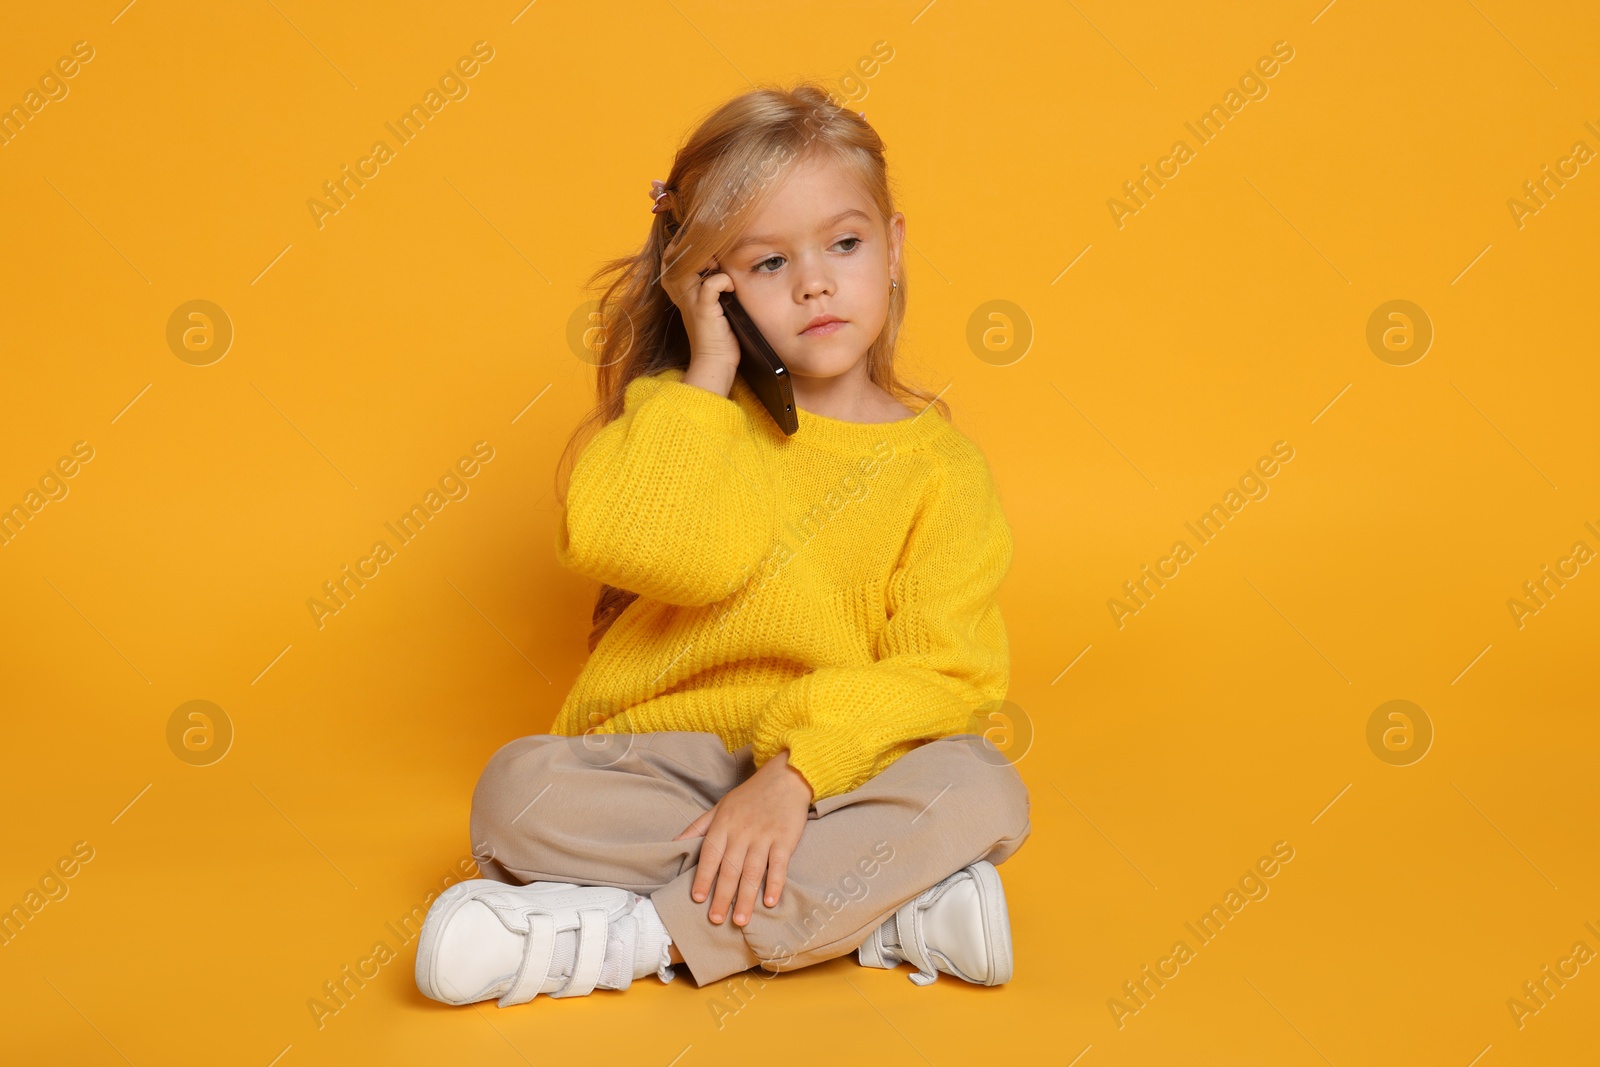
(796,640)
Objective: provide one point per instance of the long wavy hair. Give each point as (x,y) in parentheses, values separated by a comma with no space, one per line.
(719,179)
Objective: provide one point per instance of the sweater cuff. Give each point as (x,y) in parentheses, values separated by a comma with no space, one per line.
(831,763)
(713,411)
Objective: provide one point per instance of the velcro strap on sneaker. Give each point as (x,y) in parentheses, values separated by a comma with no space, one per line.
(538,952)
(912,945)
(592,927)
(874,953)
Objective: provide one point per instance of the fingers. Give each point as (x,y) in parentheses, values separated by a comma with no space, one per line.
(713,284)
(673,253)
(740,867)
(674,278)
(742,849)
(720,865)
(755,868)
(706,872)
(777,875)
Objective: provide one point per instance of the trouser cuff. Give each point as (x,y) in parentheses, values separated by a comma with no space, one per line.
(711,950)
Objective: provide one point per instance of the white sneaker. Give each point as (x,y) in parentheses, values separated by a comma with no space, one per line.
(960,927)
(488,940)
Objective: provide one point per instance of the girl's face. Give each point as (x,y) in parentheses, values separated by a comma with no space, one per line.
(817,248)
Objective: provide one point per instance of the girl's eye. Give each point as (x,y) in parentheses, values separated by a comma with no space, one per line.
(854,243)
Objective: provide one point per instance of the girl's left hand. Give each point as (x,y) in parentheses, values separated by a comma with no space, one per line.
(752,831)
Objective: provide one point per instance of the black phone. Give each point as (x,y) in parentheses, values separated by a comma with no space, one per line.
(760,367)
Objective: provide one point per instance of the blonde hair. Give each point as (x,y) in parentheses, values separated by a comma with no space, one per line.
(718,180)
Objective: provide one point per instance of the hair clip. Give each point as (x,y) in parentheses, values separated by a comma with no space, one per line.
(659,192)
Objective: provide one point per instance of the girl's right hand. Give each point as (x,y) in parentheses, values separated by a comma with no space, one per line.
(713,349)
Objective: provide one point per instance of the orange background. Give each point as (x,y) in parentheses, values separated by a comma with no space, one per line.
(433,311)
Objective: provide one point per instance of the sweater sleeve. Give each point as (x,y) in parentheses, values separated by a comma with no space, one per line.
(942,655)
(670,500)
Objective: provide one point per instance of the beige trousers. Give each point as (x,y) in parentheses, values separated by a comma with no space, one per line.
(602,809)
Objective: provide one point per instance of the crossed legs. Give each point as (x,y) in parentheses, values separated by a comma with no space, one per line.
(603,809)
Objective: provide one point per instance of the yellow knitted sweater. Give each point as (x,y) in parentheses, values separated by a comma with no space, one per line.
(830,593)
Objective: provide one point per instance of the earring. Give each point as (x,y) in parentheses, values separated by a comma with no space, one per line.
(893,285)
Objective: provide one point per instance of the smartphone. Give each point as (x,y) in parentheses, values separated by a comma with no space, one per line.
(760,367)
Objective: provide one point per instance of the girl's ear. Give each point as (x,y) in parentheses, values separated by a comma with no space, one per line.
(897,236)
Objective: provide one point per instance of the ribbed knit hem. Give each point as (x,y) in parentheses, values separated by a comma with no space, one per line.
(832,763)
(711,410)
(868,437)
